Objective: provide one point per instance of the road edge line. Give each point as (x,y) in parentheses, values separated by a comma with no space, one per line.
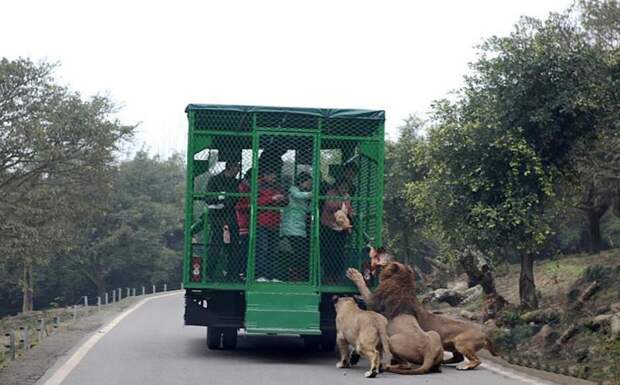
(67,367)
(515,376)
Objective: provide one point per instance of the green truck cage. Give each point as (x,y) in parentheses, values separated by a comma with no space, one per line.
(263,250)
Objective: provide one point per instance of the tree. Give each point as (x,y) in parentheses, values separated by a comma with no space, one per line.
(597,160)
(484,188)
(136,236)
(595,185)
(405,234)
(55,149)
(495,155)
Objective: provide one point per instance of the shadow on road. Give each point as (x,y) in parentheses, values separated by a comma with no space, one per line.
(266,349)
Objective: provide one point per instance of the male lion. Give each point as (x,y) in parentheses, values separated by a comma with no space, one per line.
(410,344)
(395,295)
(364,330)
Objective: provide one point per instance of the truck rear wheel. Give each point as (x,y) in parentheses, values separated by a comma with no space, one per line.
(323,343)
(311,343)
(214,338)
(328,341)
(229,338)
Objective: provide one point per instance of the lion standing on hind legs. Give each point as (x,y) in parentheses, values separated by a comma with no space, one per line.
(396,295)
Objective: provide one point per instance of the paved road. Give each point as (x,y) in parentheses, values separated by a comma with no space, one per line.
(151,346)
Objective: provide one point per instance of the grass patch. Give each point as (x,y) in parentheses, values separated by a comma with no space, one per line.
(475,305)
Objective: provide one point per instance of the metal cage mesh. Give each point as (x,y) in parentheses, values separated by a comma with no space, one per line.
(281,197)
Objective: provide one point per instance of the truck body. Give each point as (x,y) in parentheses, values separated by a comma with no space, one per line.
(269,264)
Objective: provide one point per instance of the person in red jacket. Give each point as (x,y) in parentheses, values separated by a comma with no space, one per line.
(268,223)
(242,209)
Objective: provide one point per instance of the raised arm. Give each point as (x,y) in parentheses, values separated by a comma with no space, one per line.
(298,194)
(358,279)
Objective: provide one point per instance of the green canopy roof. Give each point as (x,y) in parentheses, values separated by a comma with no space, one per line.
(318,112)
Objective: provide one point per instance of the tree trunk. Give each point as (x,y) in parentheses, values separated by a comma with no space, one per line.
(594,228)
(527,287)
(405,238)
(100,283)
(481,274)
(468,260)
(28,291)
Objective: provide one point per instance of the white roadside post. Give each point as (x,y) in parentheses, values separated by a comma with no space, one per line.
(13,345)
(41,329)
(24,330)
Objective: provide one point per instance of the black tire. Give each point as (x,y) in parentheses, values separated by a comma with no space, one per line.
(229,338)
(312,343)
(214,338)
(328,341)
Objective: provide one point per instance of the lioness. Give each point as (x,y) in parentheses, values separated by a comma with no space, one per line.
(364,330)
(395,295)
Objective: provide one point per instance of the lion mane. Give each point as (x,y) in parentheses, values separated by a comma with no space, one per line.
(396,293)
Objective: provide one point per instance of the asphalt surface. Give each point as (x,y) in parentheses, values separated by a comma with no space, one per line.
(152,346)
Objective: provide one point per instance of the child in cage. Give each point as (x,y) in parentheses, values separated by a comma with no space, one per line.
(293,228)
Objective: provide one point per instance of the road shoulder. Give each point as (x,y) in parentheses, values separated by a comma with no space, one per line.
(34,366)
(532,373)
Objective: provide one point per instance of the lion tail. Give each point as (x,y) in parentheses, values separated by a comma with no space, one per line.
(427,365)
(490,347)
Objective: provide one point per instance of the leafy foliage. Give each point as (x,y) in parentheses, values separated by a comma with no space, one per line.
(494,157)
(137,236)
(72,218)
(405,233)
(55,151)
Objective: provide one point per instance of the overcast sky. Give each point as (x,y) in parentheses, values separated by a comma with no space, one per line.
(153,58)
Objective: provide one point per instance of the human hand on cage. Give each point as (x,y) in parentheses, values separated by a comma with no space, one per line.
(278,197)
(354,275)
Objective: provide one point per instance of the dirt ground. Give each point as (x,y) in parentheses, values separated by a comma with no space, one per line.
(553,277)
(588,352)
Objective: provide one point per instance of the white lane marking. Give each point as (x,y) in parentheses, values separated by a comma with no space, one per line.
(513,375)
(59,376)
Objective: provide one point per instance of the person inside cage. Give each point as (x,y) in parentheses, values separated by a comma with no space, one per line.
(242,209)
(223,224)
(293,227)
(335,231)
(270,194)
(350,175)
